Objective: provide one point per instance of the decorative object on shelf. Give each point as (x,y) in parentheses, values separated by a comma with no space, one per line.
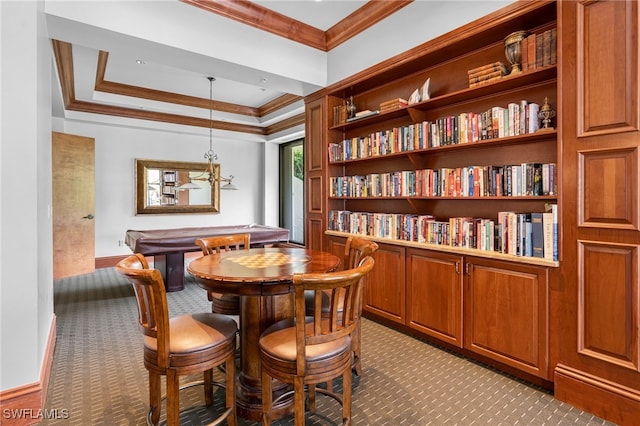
(545,114)
(513,50)
(351,108)
(422,93)
(415,97)
(209,174)
(425,91)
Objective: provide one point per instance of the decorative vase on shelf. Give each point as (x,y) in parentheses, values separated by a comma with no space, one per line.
(513,51)
(545,114)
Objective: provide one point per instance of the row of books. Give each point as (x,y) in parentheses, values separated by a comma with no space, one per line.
(539,50)
(516,180)
(487,73)
(531,234)
(496,122)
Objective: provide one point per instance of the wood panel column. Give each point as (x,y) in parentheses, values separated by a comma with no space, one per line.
(598,297)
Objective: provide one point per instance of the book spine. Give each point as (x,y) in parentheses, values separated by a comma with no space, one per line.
(547,229)
(537,235)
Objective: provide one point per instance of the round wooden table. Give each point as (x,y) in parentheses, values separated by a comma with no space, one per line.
(262,277)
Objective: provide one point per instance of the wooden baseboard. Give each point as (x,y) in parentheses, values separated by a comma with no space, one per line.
(24,405)
(109,262)
(610,401)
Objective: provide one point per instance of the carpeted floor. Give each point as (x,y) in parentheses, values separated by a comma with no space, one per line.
(98,377)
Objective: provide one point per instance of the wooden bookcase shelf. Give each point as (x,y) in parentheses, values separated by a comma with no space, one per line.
(443,291)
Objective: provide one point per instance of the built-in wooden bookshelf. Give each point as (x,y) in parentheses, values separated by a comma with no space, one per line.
(392,173)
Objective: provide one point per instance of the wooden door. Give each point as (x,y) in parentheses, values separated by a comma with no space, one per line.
(73,205)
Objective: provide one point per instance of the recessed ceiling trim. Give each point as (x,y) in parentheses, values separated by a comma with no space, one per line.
(268,20)
(285,124)
(103,85)
(95,108)
(63,53)
(278,103)
(368,15)
(265,19)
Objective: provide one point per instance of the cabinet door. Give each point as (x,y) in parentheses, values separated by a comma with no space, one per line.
(337,246)
(434,294)
(506,314)
(384,292)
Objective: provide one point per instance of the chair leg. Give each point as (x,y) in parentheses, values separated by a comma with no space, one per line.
(266,398)
(230,389)
(208,387)
(311,391)
(155,397)
(173,398)
(346,397)
(355,342)
(298,401)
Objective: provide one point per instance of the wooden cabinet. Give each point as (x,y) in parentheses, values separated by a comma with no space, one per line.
(434,294)
(598,303)
(506,314)
(433,194)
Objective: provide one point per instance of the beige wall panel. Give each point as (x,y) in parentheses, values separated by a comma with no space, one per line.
(607,74)
(608,307)
(608,195)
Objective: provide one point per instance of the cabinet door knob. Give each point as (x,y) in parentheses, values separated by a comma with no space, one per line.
(89,216)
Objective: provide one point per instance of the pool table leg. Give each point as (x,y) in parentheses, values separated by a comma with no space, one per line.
(171,266)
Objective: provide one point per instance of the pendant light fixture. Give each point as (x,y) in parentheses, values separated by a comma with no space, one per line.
(209,174)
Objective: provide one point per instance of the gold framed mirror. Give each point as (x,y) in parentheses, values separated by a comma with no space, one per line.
(158,187)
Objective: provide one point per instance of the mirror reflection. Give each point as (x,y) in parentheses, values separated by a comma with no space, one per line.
(160,187)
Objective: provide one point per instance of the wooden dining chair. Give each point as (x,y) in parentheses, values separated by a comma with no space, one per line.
(182,345)
(317,349)
(228,304)
(356,249)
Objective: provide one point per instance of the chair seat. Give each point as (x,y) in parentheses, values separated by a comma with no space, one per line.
(194,336)
(278,343)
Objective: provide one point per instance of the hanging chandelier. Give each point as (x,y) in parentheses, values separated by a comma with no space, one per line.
(209,174)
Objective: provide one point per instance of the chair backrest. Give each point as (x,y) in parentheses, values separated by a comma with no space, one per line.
(344,291)
(357,249)
(153,312)
(220,243)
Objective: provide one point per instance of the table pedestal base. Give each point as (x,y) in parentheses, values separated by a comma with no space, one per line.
(256,314)
(249,401)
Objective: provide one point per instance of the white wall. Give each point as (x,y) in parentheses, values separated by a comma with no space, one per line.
(413,25)
(26,294)
(116,151)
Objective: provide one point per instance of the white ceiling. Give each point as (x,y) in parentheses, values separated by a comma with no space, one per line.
(174,69)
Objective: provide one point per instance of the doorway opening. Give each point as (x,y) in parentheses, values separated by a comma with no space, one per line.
(292,189)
